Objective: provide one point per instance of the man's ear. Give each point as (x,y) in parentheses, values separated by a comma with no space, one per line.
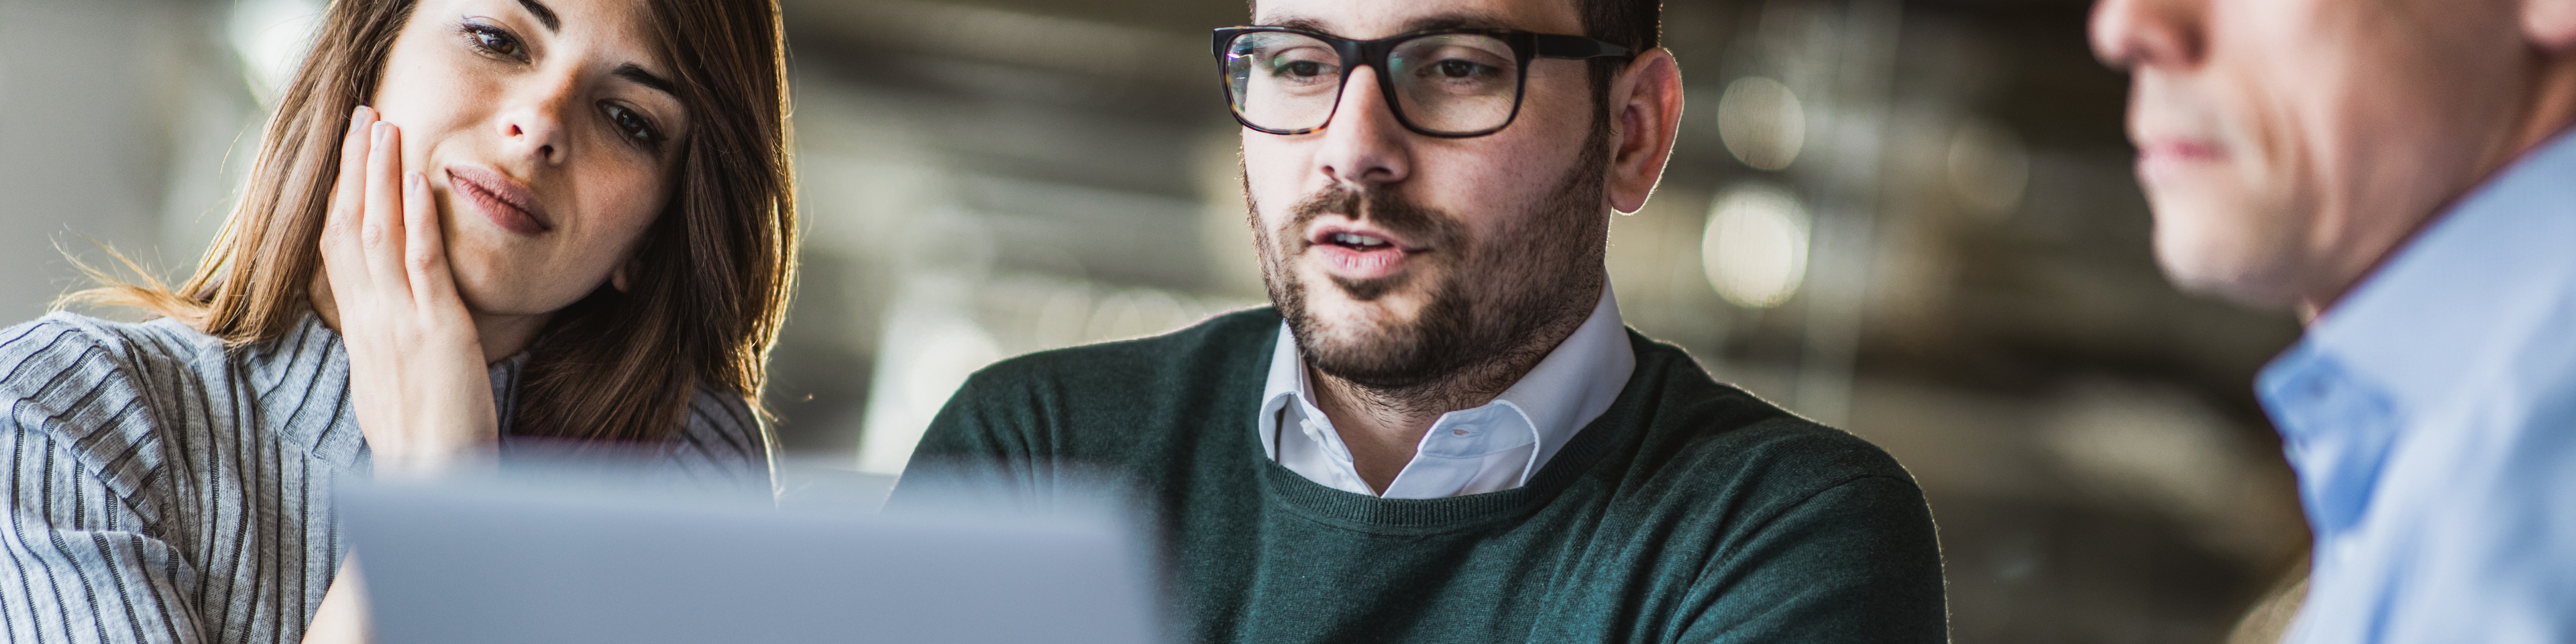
(2551,25)
(1646,104)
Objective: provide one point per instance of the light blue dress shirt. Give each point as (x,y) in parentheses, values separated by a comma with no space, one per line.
(2432,418)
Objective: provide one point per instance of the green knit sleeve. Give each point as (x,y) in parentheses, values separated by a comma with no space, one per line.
(1855,562)
(976,451)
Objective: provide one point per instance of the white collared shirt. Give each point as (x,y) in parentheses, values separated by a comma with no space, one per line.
(1494,447)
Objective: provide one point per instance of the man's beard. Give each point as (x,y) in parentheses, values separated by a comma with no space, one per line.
(1484,305)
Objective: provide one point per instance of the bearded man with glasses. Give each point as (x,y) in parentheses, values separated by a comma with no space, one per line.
(1442,431)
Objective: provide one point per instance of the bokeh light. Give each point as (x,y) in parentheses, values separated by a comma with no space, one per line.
(1989,168)
(270,36)
(1755,247)
(1761,122)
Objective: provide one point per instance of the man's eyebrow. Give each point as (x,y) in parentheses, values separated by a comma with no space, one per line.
(1308,24)
(636,73)
(544,15)
(1455,21)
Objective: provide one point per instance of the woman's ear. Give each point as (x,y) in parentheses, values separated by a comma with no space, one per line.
(618,279)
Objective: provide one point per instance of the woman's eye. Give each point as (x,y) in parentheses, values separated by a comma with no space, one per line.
(632,124)
(492,40)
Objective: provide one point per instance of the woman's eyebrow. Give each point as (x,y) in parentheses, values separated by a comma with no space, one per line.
(635,73)
(544,15)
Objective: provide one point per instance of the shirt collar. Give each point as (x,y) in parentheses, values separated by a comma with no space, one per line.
(2455,293)
(322,419)
(319,419)
(2473,286)
(1575,383)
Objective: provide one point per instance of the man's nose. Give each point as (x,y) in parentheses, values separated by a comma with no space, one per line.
(1364,145)
(2127,34)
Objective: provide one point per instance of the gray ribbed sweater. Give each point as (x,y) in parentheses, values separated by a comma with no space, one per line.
(165,488)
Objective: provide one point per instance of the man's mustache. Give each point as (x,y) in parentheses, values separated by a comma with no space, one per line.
(1418,225)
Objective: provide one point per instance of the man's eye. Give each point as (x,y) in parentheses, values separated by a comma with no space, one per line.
(1301,68)
(1457,68)
(493,41)
(632,124)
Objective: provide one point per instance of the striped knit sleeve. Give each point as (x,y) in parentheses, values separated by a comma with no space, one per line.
(79,560)
(722,444)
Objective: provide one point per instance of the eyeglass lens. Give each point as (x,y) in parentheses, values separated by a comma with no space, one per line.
(1448,83)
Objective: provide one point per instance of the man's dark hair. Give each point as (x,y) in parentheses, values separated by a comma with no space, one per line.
(1635,24)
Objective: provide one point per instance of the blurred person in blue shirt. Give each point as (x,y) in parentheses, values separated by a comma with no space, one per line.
(2401,172)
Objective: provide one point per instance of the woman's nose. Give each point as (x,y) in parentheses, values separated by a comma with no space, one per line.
(534,126)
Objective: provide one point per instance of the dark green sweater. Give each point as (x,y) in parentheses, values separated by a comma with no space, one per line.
(1689,512)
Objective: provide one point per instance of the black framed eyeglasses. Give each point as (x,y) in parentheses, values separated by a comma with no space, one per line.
(1450,83)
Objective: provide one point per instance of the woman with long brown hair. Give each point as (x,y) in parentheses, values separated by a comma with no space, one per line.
(471,223)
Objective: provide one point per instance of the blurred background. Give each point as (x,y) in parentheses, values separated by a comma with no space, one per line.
(1913,219)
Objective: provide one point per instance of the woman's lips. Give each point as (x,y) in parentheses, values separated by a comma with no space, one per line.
(501,200)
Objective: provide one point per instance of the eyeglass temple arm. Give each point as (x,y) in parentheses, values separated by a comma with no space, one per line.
(1576,47)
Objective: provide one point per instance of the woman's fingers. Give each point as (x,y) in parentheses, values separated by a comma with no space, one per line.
(425,249)
(381,235)
(341,256)
(417,376)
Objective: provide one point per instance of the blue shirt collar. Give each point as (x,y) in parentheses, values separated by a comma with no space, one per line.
(2441,300)
(2466,290)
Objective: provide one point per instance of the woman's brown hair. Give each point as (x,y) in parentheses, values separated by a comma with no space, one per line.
(704,307)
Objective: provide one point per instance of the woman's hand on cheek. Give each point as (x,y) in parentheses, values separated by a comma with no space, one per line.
(422,393)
